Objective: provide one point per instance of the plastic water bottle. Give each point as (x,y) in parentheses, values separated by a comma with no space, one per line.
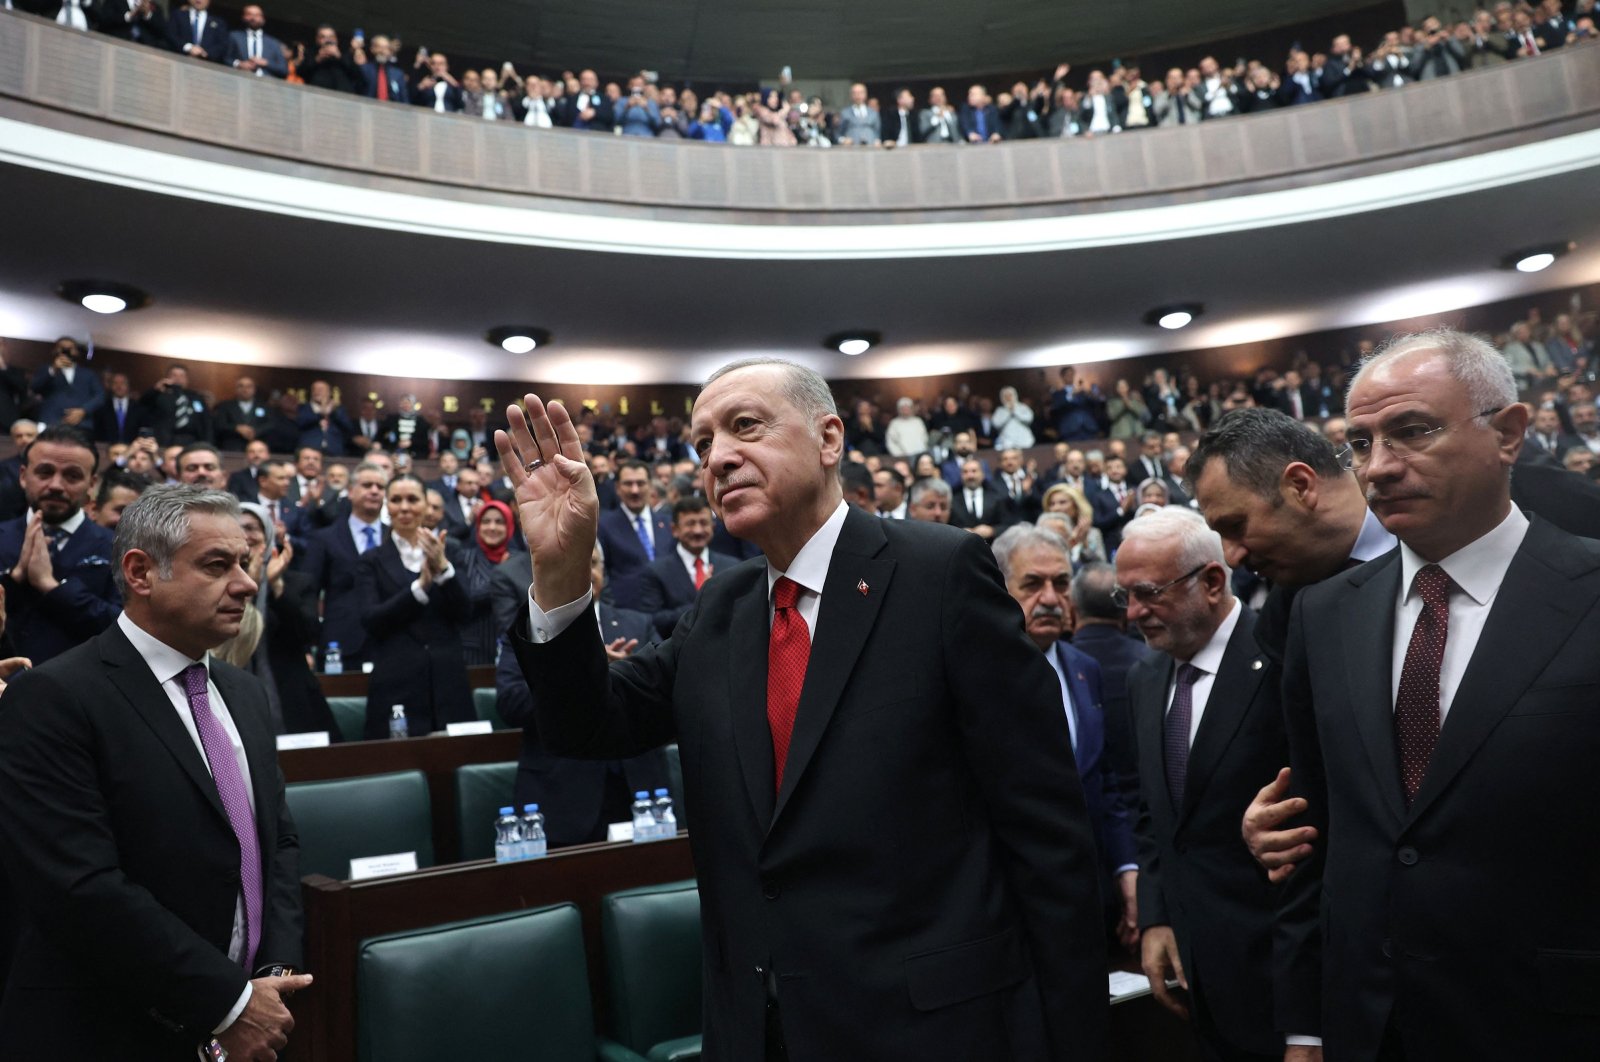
(398,728)
(533,839)
(332,662)
(666,821)
(507,837)
(644,817)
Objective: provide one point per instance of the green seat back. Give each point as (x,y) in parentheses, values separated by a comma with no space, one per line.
(485,702)
(652,944)
(378,814)
(512,986)
(482,789)
(350,715)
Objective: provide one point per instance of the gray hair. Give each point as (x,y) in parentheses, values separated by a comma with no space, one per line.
(1026,536)
(1180,528)
(1055,518)
(157,523)
(1471,359)
(1094,455)
(804,388)
(929,485)
(905,405)
(368,466)
(1091,592)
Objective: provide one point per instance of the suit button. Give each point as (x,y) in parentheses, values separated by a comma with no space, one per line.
(770,889)
(1388,949)
(1408,856)
(761,973)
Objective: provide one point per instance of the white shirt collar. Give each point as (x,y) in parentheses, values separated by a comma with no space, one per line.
(1209,658)
(1373,541)
(70,525)
(810,566)
(689,558)
(165,662)
(1477,568)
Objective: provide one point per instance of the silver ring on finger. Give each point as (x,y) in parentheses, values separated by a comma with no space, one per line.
(533,466)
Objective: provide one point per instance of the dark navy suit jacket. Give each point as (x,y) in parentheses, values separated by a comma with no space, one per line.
(56,395)
(665,590)
(626,559)
(1110,811)
(332,559)
(45,625)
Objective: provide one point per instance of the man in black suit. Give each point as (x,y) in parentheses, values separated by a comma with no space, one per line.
(245,483)
(119,417)
(580,798)
(174,411)
(381,77)
(1207,727)
(139,21)
(1099,628)
(438,88)
(14,398)
(157,883)
(1113,501)
(1546,433)
(254,50)
(1018,486)
(405,429)
(1441,713)
(979,118)
(196,32)
(670,586)
(332,555)
(977,506)
(236,423)
(605,484)
(900,121)
(1148,465)
(55,563)
(633,536)
(881,934)
(461,505)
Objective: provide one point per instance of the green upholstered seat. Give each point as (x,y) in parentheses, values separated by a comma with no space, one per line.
(350,715)
(510,987)
(378,814)
(482,789)
(485,703)
(652,947)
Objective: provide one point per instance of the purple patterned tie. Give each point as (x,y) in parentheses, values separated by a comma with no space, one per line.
(1416,709)
(235,801)
(1176,736)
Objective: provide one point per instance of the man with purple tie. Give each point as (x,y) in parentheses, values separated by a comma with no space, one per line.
(143,823)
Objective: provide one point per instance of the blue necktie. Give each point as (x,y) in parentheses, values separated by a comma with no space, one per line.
(983,126)
(122,413)
(644,537)
(370,537)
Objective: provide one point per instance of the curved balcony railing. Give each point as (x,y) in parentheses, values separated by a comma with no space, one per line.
(134,91)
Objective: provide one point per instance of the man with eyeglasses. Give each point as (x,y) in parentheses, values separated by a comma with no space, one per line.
(1207,726)
(1442,712)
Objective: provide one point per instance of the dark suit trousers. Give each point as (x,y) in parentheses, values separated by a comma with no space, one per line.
(1214,1047)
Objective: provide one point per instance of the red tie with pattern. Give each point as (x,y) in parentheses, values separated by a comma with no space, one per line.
(1416,710)
(788,650)
(699,573)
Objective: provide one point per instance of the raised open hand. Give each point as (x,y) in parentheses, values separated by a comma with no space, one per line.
(555,497)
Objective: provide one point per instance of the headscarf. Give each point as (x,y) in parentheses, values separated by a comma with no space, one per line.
(498,553)
(461,444)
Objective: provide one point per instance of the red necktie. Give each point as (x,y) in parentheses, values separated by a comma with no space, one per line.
(383,83)
(787,652)
(1416,710)
(699,573)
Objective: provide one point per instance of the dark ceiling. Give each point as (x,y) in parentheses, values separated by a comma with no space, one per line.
(752,40)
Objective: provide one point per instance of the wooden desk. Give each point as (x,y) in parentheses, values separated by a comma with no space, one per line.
(340,914)
(436,756)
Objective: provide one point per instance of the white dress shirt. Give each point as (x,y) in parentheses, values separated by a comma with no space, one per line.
(649,523)
(167,665)
(1206,661)
(809,569)
(1373,541)
(899,512)
(70,525)
(1477,570)
(413,558)
(688,560)
(358,535)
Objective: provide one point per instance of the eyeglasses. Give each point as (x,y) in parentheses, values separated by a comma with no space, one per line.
(1144,593)
(1404,442)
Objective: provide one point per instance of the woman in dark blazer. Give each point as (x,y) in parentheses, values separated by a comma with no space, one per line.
(491,543)
(413,606)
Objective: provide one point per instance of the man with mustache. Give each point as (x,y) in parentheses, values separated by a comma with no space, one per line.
(55,563)
(1037,568)
(1442,718)
(1207,726)
(889,867)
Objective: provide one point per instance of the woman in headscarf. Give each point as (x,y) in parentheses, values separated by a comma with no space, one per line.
(492,541)
(279,627)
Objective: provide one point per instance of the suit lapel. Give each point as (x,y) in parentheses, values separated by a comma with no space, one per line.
(1368,632)
(843,622)
(248,713)
(1543,591)
(747,692)
(133,677)
(1232,693)
(1091,734)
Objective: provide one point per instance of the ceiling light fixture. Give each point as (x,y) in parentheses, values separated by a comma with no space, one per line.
(1174,316)
(518,339)
(103,296)
(1536,258)
(852,344)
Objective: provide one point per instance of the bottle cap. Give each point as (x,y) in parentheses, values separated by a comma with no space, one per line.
(530,807)
(661,792)
(641,795)
(507,811)
(333,645)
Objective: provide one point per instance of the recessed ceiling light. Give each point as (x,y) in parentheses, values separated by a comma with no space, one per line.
(1536,258)
(852,344)
(102,296)
(517,339)
(1174,316)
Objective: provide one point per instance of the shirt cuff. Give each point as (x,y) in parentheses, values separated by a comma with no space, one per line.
(238,1009)
(446,575)
(546,625)
(418,592)
(1127,867)
(1302,1041)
